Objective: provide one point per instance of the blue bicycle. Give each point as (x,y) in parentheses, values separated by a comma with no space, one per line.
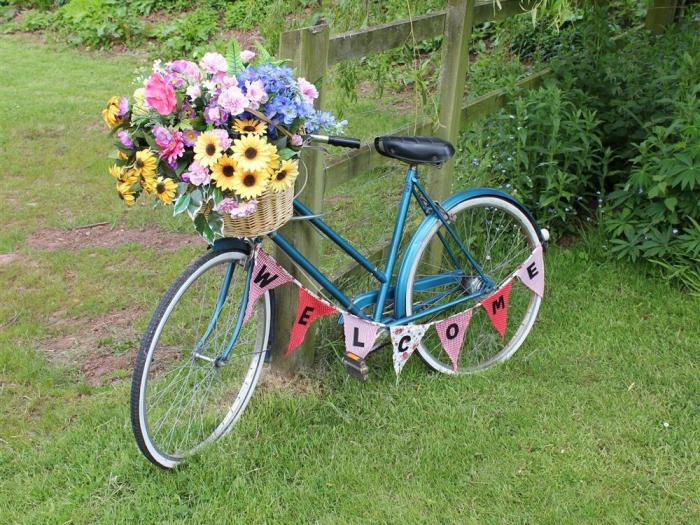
(199,364)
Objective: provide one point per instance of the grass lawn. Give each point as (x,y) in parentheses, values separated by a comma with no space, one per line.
(595,419)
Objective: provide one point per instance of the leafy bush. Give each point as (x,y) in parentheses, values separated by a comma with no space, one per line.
(184,34)
(99,23)
(543,148)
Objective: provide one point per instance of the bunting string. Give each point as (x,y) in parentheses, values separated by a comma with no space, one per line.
(361,334)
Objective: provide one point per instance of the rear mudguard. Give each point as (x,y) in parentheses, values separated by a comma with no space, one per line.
(429,222)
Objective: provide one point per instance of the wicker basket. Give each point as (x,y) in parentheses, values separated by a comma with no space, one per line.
(274,209)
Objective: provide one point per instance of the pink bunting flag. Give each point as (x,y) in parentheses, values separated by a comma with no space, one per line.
(267,275)
(359,335)
(496,307)
(451,332)
(309,309)
(531,273)
(405,339)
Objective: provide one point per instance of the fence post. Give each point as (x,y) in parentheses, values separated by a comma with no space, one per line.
(307,51)
(660,13)
(453,75)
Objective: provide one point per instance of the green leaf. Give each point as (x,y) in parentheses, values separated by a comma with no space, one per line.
(233,56)
(286,153)
(181,204)
(671,203)
(216,224)
(202,226)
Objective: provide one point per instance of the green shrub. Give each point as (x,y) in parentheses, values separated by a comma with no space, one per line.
(99,23)
(184,34)
(543,148)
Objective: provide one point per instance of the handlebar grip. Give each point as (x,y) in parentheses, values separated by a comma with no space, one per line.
(343,142)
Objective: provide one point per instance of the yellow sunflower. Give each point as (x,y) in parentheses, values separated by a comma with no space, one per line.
(116,171)
(250,184)
(207,149)
(285,176)
(253,153)
(224,172)
(126,193)
(165,189)
(129,177)
(252,126)
(111,113)
(145,164)
(122,156)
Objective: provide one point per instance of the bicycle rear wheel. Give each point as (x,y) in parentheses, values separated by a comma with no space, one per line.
(500,237)
(184,395)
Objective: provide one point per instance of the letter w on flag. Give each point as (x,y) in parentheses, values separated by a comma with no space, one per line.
(267,275)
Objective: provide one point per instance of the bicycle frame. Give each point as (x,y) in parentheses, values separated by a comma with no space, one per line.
(412,187)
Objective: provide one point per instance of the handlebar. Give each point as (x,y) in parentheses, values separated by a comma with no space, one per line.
(343,142)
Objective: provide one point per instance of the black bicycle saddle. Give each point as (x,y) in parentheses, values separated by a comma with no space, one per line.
(415,150)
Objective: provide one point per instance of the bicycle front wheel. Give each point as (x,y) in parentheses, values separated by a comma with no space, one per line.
(499,237)
(198,364)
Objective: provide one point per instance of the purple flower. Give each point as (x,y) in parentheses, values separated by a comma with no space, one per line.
(189,137)
(197,174)
(123,106)
(189,70)
(125,139)
(162,136)
(215,116)
(296,140)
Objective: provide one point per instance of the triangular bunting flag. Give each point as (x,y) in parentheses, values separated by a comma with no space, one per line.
(405,340)
(359,335)
(531,273)
(451,332)
(267,275)
(496,307)
(309,309)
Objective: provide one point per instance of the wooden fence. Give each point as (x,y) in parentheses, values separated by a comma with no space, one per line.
(312,50)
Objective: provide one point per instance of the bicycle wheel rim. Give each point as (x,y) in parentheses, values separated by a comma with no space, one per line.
(249,378)
(523,301)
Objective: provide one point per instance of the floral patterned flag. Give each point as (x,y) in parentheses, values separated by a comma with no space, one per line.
(359,335)
(496,307)
(531,273)
(405,340)
(451,332)
(267,275)
(309,309)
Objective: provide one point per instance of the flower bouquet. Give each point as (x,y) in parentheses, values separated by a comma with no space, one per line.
(219,140)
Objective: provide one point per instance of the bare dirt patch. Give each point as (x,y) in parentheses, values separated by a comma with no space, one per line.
(275,381)
(99,348)
(8,258)
(108,236)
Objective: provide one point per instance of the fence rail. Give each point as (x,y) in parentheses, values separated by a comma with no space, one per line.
(312,51)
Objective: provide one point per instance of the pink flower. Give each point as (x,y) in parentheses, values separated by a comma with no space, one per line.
(247,55)
(193,91)
(197,174)
(235,208)
(214,63)
(173,150)
(233,101)
(223,137)
(228,82)
(307,89)
(296,140)
(255,91)
(160,95)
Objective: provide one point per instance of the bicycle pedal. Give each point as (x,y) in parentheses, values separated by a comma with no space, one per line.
(355,366)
